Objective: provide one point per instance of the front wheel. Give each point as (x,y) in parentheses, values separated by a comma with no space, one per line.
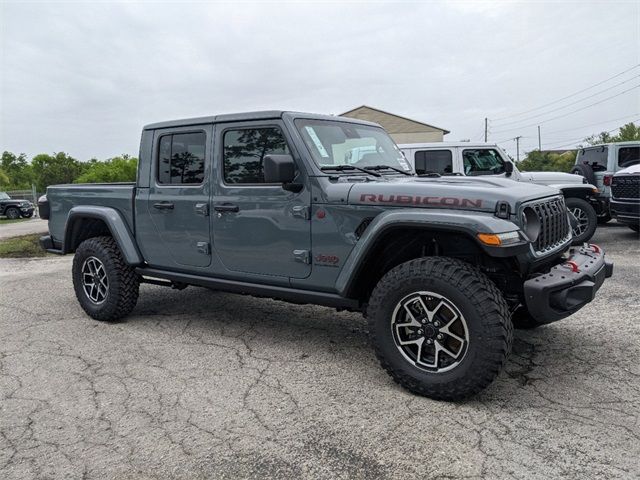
(12,213)
(106,287)
(586,220)
(440,327)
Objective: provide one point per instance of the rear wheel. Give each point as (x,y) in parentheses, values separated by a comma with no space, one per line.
(106,287)
(12,213)
(586,219)
(439,327)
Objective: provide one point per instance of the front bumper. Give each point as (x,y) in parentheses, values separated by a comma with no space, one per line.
(569,286)
(626,211)
(26,210)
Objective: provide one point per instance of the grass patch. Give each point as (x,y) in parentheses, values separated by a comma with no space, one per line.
(22,246)
(7,220)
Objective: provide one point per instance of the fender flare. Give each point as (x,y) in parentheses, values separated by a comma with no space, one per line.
(116,225)
(584,189)
(464,222)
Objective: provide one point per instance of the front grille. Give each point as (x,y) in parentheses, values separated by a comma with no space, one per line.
(554,224)
(625,187)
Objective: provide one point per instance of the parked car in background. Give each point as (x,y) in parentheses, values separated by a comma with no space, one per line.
(625,197)
(599,163)
(475,159)
(14,208)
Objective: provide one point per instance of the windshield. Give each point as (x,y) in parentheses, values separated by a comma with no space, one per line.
(482,161)
(4,196)
(336,144)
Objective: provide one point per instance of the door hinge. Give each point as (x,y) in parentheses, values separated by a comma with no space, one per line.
(202,209)
(301,211)
(203,247)
(302,256)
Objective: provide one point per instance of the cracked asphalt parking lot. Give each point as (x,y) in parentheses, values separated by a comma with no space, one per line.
(200,384)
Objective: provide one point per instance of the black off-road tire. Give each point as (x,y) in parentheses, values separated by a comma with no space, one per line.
(635,227)
(12,213)
(479,301)
(27,215)
(123,281)
(591,217)
(586,171)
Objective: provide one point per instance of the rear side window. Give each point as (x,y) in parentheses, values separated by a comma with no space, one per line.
(181,158)
(438,161)
(244,152)
(628,156)
(595,157)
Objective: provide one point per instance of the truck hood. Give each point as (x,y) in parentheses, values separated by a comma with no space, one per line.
(466,193)
(551,178)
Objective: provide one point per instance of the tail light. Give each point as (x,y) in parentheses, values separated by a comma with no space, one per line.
(607,180)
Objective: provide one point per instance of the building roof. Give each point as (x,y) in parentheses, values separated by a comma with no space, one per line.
(445,131)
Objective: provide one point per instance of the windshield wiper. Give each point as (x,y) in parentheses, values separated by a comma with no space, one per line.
(383,167)
(342,168)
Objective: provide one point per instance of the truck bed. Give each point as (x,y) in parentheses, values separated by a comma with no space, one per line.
(62,198)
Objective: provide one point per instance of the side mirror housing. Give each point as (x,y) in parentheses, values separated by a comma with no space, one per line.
(508,168)
(279,169)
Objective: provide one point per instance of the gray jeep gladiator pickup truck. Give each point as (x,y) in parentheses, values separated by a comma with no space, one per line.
(270,204)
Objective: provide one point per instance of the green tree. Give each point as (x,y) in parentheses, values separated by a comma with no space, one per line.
(4,179)
(629,132)
(17,168)
(548,161)
(117,169)
(55,169)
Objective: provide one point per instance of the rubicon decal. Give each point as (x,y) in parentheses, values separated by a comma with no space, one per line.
(419,200)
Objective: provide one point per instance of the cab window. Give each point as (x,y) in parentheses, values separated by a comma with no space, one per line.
(482,161)
(244,152)
(181,158)
(434,161)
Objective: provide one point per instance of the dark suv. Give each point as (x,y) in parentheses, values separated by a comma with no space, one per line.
(14,208)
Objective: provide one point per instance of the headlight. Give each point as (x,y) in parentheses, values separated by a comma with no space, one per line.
(530,223)
(499,239)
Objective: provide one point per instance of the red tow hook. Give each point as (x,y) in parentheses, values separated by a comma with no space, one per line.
(572,265)
(595,248)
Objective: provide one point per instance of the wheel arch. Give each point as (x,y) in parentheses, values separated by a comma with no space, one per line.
(398,237)
(85,222)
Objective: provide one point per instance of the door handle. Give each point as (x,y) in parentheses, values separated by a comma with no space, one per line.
(163,205)
(226,207)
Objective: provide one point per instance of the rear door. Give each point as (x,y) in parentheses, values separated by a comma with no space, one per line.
(258,228)
(178,202)
(434,161)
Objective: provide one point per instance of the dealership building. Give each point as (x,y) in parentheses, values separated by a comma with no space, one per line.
(401,129)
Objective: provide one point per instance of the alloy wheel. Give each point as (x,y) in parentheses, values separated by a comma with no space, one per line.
(94,280)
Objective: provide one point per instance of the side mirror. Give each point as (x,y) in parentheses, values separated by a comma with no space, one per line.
(278,169)
(281,169)
(508,168)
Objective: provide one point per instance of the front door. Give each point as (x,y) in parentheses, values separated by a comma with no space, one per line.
(258,228)
(178,204)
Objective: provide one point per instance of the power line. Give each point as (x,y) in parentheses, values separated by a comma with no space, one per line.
(579,140)
(569,113)
(572,103)
(568,96)
(593,124)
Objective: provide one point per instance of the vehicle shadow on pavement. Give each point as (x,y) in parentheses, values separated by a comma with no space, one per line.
(282,332)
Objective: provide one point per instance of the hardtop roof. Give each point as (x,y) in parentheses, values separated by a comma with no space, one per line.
(250,116)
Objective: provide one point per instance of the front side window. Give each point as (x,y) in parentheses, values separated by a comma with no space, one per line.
(336,144)
(434,161)
(181,158)
(244,152)
(482,161)
(628,156)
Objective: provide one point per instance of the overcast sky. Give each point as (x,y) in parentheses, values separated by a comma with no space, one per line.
(84,77)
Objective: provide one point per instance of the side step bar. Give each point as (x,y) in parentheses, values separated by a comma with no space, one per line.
(293,295)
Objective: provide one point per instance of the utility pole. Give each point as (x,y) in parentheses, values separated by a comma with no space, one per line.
(539,141)
(486,128)
(517,139)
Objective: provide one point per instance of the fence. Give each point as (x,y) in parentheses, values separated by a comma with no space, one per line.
(30,195)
